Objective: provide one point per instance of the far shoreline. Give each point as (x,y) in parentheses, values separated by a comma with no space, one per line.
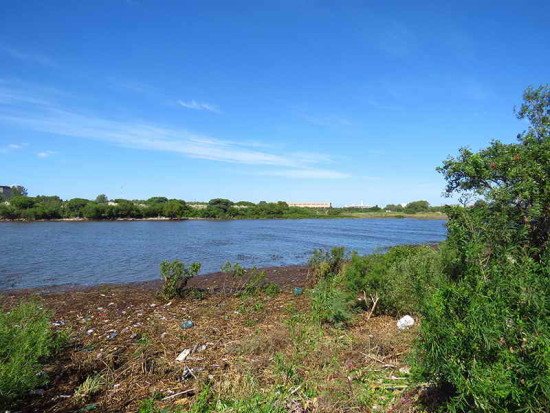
(165,219)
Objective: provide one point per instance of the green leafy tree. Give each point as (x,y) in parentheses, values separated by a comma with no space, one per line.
(18,190)
(245,203)
(219,208)
(157,200)
(485,336)
(394,208)
(417,206)
(220,204)
(102,199)
(174,208)
(75,207)
(22,202)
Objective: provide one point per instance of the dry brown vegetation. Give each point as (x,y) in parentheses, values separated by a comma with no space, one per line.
(125,342)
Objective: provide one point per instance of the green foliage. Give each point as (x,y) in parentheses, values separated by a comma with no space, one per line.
(8,212)
(252,281)
(174,208)
(148,406)
(417,206)
(175,276)
(329,304)
(394,208)
(26,341)
(399,281)
(18,190)
(89,387)
(53,207)
(325,263)
(21,202)
(485,337)
(513,178)
(102,199)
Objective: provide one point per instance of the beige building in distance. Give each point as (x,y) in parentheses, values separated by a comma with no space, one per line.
(310,204)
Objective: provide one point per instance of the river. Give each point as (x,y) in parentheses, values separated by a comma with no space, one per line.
(87,253)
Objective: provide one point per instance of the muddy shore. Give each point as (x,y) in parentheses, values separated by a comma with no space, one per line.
(284,276)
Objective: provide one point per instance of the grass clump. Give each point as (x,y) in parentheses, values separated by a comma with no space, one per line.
(89,387)
(26,341)
(247,283)
(330,304)
(175,275)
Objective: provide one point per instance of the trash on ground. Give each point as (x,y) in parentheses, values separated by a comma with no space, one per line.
(187,324)
(405,322)
(183,355)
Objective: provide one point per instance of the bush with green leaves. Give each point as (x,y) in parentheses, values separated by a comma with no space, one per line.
(326,263)
(396,282)
(485,336)
(175,275)
(26,341)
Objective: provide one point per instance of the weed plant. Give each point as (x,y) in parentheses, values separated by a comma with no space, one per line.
(175,276)
(26,342)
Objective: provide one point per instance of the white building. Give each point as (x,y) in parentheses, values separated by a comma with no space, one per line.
(310,204)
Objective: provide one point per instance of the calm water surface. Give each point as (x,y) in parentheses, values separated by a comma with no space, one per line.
(51,253)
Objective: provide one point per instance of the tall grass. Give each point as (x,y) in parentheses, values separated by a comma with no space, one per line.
(26,341)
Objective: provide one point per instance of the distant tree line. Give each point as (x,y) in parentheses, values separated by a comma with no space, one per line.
(21,206)
(414,207)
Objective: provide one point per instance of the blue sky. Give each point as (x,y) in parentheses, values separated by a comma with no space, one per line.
(337,101)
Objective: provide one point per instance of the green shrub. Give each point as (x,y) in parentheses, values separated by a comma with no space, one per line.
(485,336)
(251,282)
(175,276)
(330,304)
(325,263)
(26,341)
(398,281)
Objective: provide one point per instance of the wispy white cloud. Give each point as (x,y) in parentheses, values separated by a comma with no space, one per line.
(12,147)
(199,106)
(307,173)
(45,154)
(150,137)
(43,116)
(28,57)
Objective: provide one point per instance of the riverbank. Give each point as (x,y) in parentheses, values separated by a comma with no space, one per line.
(125,343)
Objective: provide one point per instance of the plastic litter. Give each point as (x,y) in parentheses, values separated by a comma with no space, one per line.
(183,355)
(187,324)
(405,322)
(298,291)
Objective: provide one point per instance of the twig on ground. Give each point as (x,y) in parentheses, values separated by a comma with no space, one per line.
(178,394)
(378,360)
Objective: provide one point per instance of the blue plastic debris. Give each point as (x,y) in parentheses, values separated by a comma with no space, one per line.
(298,291)
(187,324)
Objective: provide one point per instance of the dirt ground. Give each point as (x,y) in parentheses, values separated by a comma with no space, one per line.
(127,340)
